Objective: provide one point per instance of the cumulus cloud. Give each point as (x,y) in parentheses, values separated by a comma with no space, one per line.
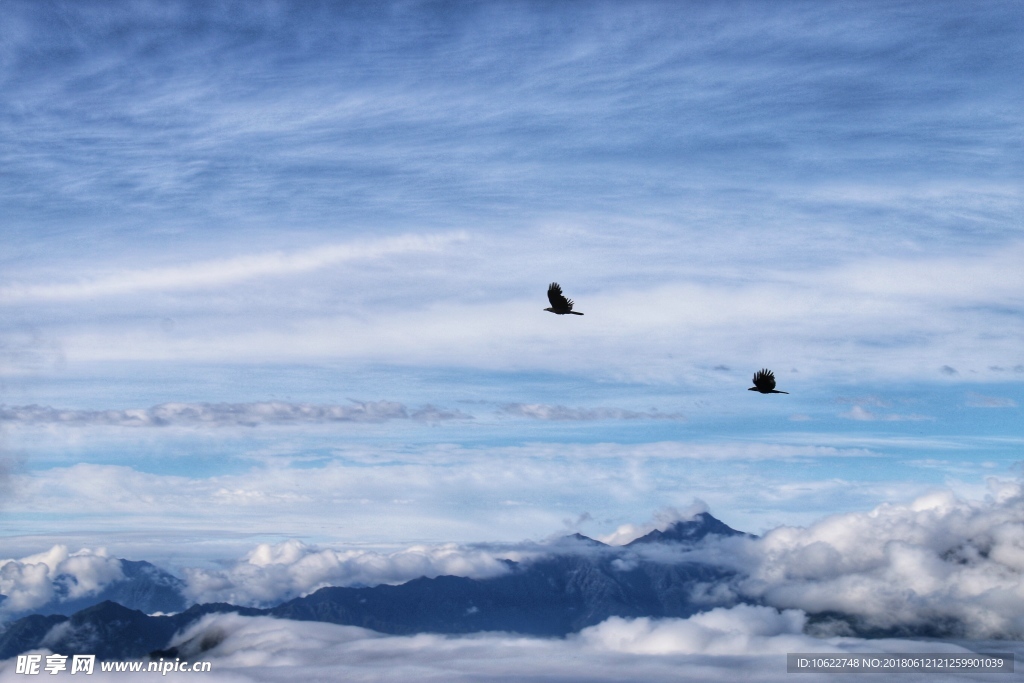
(34,581)
(271,574)
(980,401)
(941,565)
(539,411)
(229,414)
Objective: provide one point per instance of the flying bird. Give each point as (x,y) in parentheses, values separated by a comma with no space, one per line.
(559,304)
(764,381)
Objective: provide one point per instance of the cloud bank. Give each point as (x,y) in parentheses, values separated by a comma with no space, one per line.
(939,566)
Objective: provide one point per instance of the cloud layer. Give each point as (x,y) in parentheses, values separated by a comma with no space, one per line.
(747,643)
(227,414)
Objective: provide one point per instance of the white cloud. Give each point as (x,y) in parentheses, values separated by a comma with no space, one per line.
(33,581)
(744,629)
(940,562)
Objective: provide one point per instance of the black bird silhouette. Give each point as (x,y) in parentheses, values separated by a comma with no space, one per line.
(764,381)
(559,304)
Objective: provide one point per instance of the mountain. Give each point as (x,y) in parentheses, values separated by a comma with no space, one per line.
(27,633)
(701,526)
(580,584)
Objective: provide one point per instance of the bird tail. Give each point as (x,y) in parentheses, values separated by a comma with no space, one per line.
(575,312)
(779,392)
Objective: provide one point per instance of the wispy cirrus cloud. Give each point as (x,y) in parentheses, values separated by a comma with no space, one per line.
(221,272)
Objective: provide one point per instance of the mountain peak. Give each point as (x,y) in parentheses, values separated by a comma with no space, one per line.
(692,531)
(578,537)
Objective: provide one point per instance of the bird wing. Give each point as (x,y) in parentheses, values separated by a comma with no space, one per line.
(556,298)
(764,380)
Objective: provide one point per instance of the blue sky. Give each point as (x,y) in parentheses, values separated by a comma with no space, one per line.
(340,221)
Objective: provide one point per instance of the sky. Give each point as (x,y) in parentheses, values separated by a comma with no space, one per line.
(273,274)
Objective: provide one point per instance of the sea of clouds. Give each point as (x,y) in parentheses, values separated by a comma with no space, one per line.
(941,565)
(740,643)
